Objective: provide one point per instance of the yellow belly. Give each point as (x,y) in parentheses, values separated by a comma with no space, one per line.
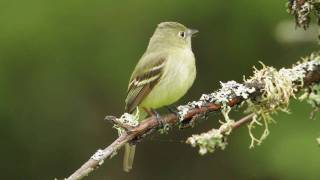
(178,76)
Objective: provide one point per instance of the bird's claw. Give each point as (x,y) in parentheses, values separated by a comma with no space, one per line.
(154,113)
(173,110)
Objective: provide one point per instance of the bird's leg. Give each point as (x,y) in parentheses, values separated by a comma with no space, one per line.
(173,110)
(183,124)
(152,113)
(155,114)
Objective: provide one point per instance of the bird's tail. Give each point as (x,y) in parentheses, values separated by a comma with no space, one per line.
(130,150)
(128,157)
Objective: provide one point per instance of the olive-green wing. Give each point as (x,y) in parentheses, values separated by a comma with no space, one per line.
(144,78)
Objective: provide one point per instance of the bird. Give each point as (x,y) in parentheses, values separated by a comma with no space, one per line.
(163,75)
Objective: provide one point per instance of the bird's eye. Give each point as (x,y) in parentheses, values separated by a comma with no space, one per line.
(182,34)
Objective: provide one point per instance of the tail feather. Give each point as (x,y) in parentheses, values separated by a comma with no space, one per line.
(128,157)
(131,149)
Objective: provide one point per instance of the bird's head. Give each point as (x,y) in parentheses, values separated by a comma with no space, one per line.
(172,34)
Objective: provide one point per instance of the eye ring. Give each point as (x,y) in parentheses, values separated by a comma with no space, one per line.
(182,34)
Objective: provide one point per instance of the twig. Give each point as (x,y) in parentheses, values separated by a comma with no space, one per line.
(242,121)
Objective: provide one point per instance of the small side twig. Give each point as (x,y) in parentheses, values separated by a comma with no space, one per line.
(243,121)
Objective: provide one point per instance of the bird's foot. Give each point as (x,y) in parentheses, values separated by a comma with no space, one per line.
(163,128)
(173,110)
(154,113)
(187,123)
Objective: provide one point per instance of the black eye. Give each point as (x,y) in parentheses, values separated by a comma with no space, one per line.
(182,34)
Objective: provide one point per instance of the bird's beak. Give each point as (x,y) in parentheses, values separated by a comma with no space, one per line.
(191,32)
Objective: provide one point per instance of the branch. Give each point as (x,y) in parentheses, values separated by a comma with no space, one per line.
(255,90)
(97,159)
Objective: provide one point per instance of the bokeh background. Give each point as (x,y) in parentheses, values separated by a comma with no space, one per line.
(64,65)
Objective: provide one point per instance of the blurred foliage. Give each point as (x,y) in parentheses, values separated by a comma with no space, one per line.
(64,65)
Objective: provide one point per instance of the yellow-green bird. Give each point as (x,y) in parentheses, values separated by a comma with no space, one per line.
(162,76)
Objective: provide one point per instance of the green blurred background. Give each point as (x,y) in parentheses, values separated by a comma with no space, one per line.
(64,65)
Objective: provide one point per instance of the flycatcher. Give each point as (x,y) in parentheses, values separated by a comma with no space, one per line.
(162,76)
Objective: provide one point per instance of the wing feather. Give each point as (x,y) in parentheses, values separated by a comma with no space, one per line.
(141,84)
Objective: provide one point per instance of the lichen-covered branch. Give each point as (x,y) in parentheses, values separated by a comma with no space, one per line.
(214,138)
(263,94)
(302,10)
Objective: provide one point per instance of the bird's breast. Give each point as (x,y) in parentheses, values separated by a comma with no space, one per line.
(178,76)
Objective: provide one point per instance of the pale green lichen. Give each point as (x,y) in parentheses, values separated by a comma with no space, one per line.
(312,96)
(165,129)
(226,126)
(302,11)
(228,90)
(128,120)
(208,141)
(215,138)
(98,156)
(277,90)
